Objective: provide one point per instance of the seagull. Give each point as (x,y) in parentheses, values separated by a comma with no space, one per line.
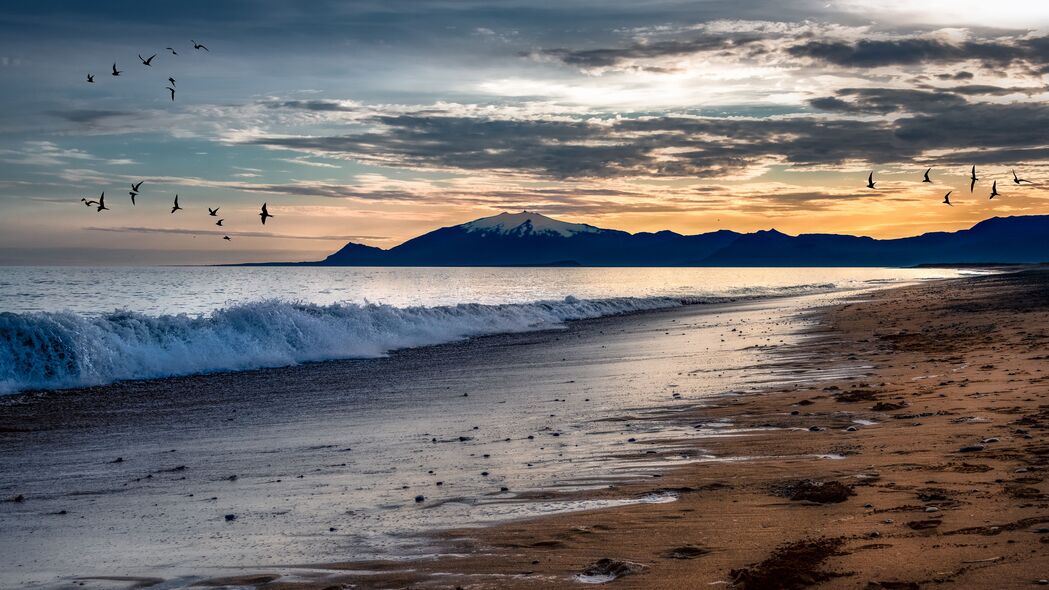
(176,207)
(88,203)
(172,92)
(264,214)
(219,222)
(172,80)
(172,50)
(994,189)
(225,237)
(91,78)
(974,179)
(870,181)
(198,46)
(133,195)
(134,186)
(116,72)
(926,179)
(102,203)
(213,212)
(1018,180)
(947,198)
(145,62)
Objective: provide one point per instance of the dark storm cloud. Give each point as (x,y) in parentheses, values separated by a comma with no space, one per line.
(312,105)
(911,51)
(689,146)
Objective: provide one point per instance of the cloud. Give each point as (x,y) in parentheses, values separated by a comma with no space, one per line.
(872,53)
(245,234)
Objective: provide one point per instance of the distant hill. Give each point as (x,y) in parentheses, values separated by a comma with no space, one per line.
(531,239)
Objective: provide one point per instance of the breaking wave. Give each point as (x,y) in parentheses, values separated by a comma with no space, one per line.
(51,350)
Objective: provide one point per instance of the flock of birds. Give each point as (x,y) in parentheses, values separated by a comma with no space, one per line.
(100,204)
(972,184)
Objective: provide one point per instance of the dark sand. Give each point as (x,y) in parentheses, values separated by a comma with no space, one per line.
(952,364)
(946,490)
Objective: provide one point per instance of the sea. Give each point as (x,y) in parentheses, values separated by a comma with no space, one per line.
(64,327)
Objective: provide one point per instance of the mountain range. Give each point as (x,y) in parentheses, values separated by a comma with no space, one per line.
(532,239)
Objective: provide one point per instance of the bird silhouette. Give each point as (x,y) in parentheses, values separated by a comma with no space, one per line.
(994,189)
(926,179)
(133,195)
(870,181)
(116,72)
(264,214)
(972,184)
(172,92)
(172,50)
(172,80)
(91,78)
(947,198)
(225,237)
(176,207)
(213,212)
(198,46)
(219,222)
(146,62)
(135,187)
(87,202)
(1018,180)
(102,203)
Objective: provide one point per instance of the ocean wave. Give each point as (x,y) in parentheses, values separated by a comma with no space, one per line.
(53,350)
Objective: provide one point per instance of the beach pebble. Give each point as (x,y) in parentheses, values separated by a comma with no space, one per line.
(815,429)
(420,498)
(989,440)
(1043,582)
(851,429)
(230,517)
(932,509)
(971,449)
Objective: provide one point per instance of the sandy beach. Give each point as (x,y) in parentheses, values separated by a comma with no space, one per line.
(899,445)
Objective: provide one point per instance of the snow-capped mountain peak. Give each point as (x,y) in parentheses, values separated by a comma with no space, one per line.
(527,223)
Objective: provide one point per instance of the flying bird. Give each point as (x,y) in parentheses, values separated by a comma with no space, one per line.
(213,212)
(146,62)
(994,189)
(973,179)
(134,186)
(264,214)
(172,80)
(198,46)
(87,202)
(1018,180)
(91,78)
(176,207)
(219,222)
(172,50)
(926,179)
(116,72)
(172,92)
(133,195)
(225,237)
(947,198)
(102,203)
(870,181)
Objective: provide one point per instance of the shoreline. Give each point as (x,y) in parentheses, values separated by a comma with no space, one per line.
(929,469)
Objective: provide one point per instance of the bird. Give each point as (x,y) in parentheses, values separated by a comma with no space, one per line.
(172,80)
(133,195)
(947,198)
(135,187)
(116,72)
(176,207)
(226,237)
(870,181)
(172,92)
(102,203)
(172,50)
(974,179)
(994,189)
(198,46)
(87,202)
(219,222)
(1018,180)
(264,214)
(213,212)
(926,179)
(91,78)
(146,62)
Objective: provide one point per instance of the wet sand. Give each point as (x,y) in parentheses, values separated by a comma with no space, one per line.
(939,479)
(881,396)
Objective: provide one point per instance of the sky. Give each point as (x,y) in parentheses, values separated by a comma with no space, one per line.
(374,121)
